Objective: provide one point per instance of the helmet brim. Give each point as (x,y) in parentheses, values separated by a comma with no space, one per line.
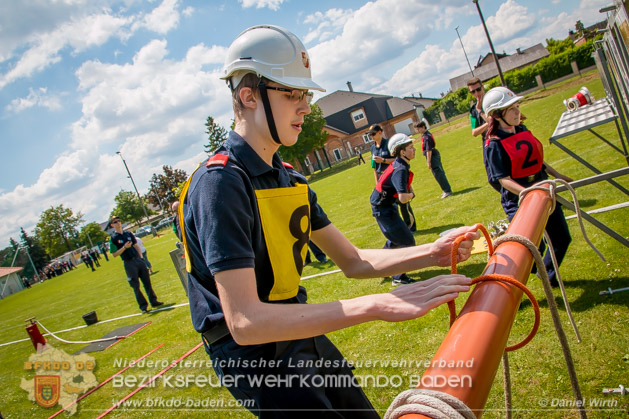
(512,101)
(297,83)
(505,105)
(293,82)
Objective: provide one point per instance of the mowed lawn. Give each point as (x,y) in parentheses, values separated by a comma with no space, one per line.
(540,382)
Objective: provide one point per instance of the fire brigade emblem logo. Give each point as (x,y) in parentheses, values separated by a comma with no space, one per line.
(305,59)
(58,378)
(47,390)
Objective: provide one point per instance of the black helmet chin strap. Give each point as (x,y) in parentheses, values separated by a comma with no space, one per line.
(502,118)
(267,110)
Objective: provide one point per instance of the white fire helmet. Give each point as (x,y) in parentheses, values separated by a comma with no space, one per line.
(498,98)
(271,52)
(398,140)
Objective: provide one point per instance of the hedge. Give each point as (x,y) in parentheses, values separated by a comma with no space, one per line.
(549,68)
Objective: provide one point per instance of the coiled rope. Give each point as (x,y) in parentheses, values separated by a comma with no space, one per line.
(497,277)
(431,403)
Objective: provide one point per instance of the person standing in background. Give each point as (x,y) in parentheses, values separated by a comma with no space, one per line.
(433,159)
(124,244)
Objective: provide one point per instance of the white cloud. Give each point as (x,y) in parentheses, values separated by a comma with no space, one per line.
(259,4)
(137,99)
(424,73)
(510,20)
(513,26)
(327,24)
(161,19)
(373,34)
(23,205)
(353,43)
(17,20)
(188,11)
(81,32)
(37,97)
(90,31)
(152,110)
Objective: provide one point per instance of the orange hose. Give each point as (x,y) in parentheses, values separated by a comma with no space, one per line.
(494,277)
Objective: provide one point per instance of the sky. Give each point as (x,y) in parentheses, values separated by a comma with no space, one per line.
(83,79)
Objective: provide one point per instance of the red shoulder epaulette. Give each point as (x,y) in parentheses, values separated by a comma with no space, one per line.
(217,159)
(493,137)
(288,165)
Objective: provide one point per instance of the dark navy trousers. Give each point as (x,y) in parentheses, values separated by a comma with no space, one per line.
(136,270)
(557,229)
(310,378)
(394,229)
(438,172)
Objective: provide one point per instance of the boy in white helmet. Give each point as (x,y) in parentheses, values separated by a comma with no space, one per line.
(515,161)
(394,185)
(247,219)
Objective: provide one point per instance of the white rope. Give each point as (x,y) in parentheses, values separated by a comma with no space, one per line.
(431,403)
(551,189)
(561,285)
(78,341)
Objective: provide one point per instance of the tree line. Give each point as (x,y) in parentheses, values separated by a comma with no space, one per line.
(61,230)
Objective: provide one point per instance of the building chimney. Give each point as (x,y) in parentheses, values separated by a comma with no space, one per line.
(518,50)
(349,86)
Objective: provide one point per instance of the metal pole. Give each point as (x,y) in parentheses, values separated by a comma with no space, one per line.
(15,256)
(158,199)
(134,187)
(29,258)
(491,45)
(468,61)
(89,238)
(35,274)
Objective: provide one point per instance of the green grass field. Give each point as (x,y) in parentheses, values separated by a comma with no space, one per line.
(539,376)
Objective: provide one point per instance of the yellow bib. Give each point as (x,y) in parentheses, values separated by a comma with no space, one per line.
(285,217)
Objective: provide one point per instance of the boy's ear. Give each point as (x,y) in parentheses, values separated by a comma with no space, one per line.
(248,98)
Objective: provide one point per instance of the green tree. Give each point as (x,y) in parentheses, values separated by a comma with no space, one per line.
(57,230)
(312,137)
(580,27)
(8,253)
(128,207)
(216,135)
(91,234)
(166,185)
(36,251)
(555,47)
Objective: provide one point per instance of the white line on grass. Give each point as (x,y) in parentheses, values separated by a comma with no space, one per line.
(321,274)
(152,311)
(102,321)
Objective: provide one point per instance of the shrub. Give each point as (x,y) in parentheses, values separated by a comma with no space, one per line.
(549,68)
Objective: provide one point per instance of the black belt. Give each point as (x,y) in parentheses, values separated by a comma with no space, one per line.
(216,333)
(531,178)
